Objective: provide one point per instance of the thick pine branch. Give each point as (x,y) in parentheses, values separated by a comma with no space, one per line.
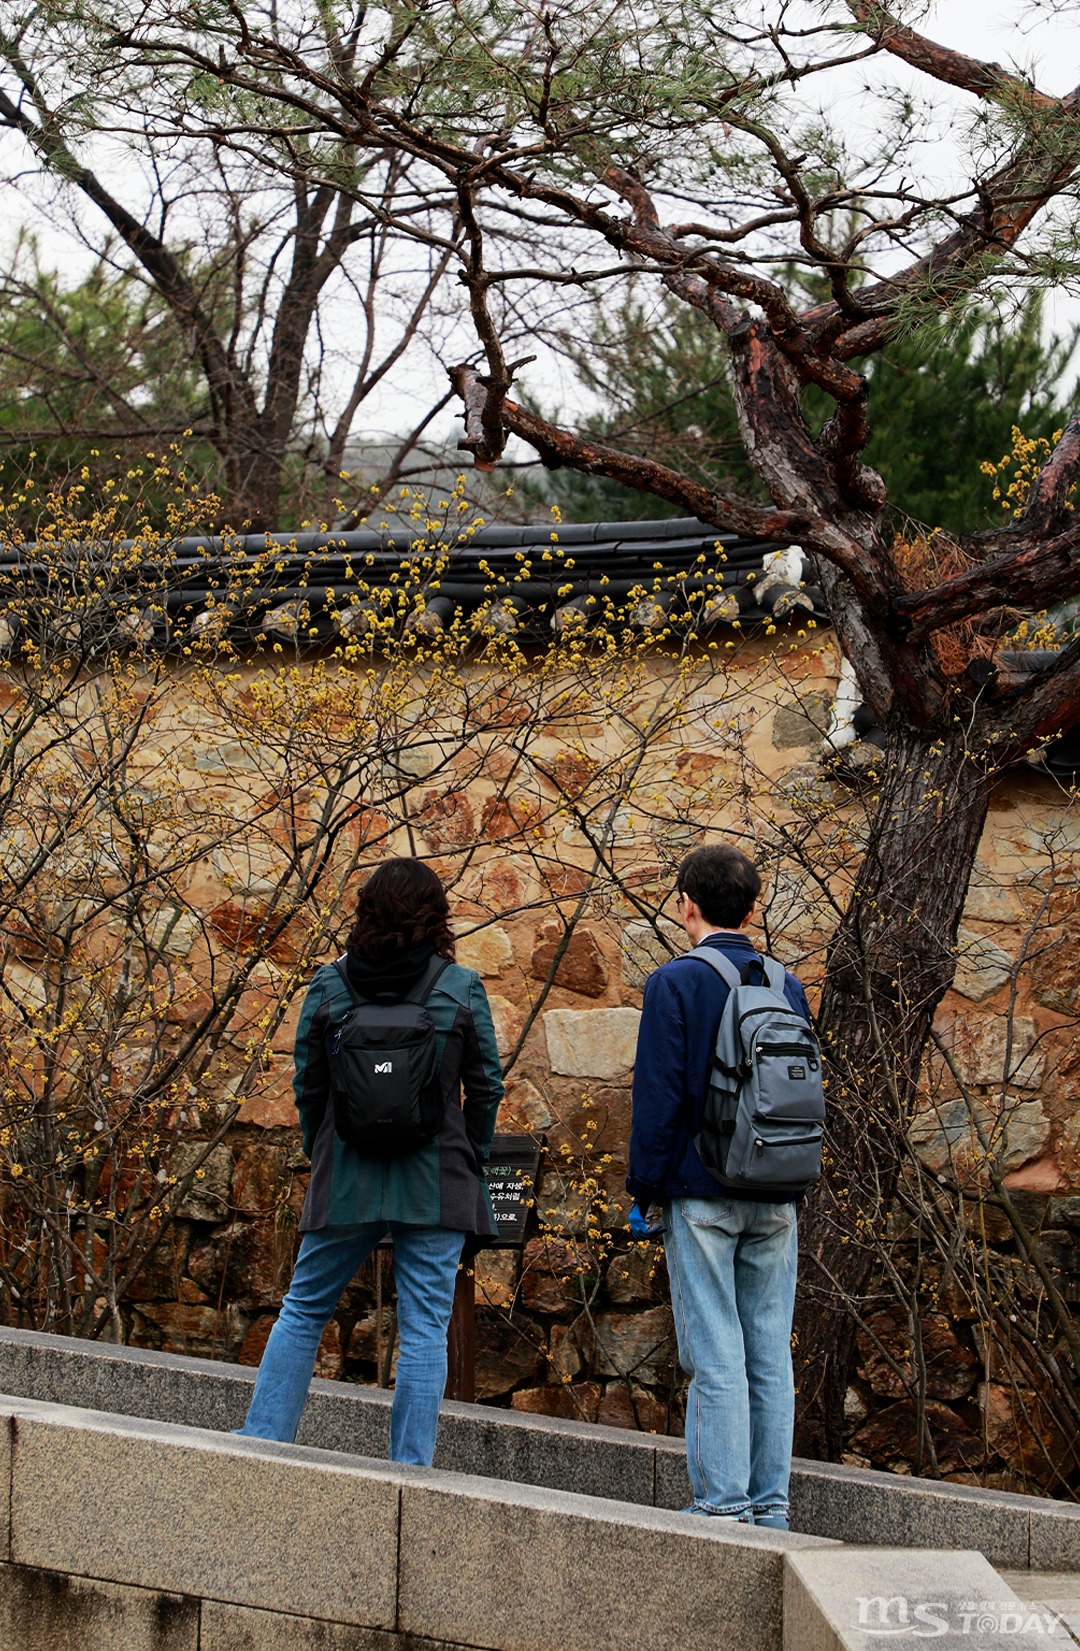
(558,447)
(942,63)
(1036,575)
(1042,706)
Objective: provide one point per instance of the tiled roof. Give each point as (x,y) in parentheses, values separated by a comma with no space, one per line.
(532,578)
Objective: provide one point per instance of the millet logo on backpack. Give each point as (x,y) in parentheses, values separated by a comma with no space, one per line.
(384,1066)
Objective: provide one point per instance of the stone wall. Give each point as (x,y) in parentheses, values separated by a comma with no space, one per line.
(559,852)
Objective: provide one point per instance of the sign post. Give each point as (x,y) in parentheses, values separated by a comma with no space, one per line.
(511,1172)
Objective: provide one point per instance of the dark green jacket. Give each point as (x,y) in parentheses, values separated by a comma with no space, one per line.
(438,1185)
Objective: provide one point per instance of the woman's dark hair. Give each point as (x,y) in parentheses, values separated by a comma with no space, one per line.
(722,883)
(401,905)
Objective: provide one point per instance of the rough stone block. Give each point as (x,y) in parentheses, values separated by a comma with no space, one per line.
(184,1511)
(991,902)
(524,1107)
(803,724)
(672,1482)
(535,1569)
(946,1136)
(173,931)
(641,1345)
(991,1051)
(852,1599)
(508,1021)
(548,1451)
(582,965)
(981,966)
(488,951)
(207,1199)
(48,1611)
(1055,1536)
(643,949)
(592,1043)
(863,1505)
(248,868)
(239,1628)
(497,1273)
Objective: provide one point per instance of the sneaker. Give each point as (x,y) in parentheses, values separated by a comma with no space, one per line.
(773,1519)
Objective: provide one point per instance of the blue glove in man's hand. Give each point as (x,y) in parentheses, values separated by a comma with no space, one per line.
(639,1224)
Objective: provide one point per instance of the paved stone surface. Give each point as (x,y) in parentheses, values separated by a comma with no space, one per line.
(1056,1591)
(47,1611)
(189,1512)
(853,1599)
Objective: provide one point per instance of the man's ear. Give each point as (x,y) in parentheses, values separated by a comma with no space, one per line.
(749,918)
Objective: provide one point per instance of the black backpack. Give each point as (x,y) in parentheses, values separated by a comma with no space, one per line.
(385,1089)
(764,1115)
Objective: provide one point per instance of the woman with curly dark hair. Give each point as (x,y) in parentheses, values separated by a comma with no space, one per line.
(430,1197)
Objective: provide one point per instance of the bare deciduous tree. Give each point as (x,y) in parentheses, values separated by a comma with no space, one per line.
(290,288)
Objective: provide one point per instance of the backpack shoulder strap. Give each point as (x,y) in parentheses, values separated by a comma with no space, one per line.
(716,960)
(423,987)
(775,975)
(342,967)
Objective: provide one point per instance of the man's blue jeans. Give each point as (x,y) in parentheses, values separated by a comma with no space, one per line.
(425,1270)
(732,1268)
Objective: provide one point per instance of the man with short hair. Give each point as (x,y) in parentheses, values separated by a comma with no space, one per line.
(731,1254)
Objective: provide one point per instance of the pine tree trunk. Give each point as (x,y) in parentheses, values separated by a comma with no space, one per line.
(889,965)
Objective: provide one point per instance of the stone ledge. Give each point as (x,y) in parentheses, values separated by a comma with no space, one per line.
(859,1504)
(844,1503)
(448,1557)
(545,1568)
(191,1512)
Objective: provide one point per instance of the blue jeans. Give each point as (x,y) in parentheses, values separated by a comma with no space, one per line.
(425,1271)
(732,1268)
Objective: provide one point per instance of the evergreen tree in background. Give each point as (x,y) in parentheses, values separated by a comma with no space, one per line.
(944,399)
(97,364)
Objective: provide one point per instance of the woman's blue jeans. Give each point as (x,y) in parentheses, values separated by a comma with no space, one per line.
(732,1265)
(425,1270)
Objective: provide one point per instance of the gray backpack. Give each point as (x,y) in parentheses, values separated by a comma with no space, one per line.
(385,1089)
(765,1108)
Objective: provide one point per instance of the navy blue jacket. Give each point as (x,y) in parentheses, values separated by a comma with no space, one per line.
(680,1015)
